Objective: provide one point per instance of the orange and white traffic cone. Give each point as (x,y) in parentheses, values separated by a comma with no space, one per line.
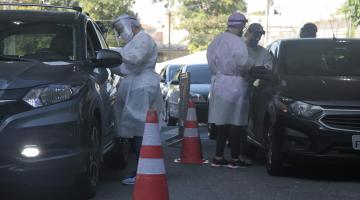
(151,183)
(191,151)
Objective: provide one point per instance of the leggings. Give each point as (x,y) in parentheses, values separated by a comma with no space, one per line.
(233,134)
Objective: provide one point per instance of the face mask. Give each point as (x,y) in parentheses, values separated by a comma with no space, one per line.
(253,39)
(253,42)
(126,35)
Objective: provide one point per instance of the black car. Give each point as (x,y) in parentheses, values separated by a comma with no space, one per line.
(56,97)
(309,106)
(167,74)
(200,78)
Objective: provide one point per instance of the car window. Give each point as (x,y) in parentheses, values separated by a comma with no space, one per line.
(173,69)
(101,37)
(41,41)
(177,75)
(162,73)
(327,58)
(199,74)
(274,49)
(93,43)
(90,52)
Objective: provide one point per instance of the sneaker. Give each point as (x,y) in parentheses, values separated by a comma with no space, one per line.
(219,162)
(129,180)
(245,160)
(234,164)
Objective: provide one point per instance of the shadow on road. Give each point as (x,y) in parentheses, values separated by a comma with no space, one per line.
(23,193)
(327,171)
(341,170)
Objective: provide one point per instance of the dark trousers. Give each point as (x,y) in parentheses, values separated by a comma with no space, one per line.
(234,134)
(136,143)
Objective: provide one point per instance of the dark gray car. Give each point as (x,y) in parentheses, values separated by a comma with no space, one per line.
(308,105)
(56,97)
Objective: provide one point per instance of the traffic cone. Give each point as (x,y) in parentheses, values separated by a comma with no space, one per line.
(191,145)
(151,183)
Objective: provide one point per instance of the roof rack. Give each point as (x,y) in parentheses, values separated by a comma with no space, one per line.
(76,8)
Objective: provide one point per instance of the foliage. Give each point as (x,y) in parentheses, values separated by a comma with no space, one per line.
(352,9)
(204,19)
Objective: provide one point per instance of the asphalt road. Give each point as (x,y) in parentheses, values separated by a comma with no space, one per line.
(201,182)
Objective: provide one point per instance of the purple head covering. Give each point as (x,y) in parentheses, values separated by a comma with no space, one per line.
(236,19)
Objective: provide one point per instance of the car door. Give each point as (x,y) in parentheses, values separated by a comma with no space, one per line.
(261,96)
(173,96)
(163,82)
(104,80)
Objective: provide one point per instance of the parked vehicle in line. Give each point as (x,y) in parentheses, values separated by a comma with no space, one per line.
(200,78)
(167,74)
(309,105)
(56,98)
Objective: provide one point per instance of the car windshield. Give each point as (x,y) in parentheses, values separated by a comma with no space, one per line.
(199,74)
(323,58)
(40,41)
(173,69)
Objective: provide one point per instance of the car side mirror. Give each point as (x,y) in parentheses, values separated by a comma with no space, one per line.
(107,58)
(260,72)
(174,82)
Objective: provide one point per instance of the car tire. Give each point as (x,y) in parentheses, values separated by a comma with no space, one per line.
(170,121)
(274,157)
(117,157)
(87,181)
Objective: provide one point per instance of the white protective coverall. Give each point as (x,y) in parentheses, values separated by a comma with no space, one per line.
(229,63)
(139,91)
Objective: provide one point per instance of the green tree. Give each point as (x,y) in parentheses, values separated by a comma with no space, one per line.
(204,19)
(106,9)
(352,10)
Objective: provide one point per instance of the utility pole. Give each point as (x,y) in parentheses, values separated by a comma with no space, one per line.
(169,30)
(169,42)
(267,21)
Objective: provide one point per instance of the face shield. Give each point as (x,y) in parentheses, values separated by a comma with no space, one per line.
(254,38)
(123,27)
(254,34)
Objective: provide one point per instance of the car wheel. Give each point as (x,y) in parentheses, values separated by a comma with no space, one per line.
(87,181)
(274,158)
(171,121)
(117,157)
